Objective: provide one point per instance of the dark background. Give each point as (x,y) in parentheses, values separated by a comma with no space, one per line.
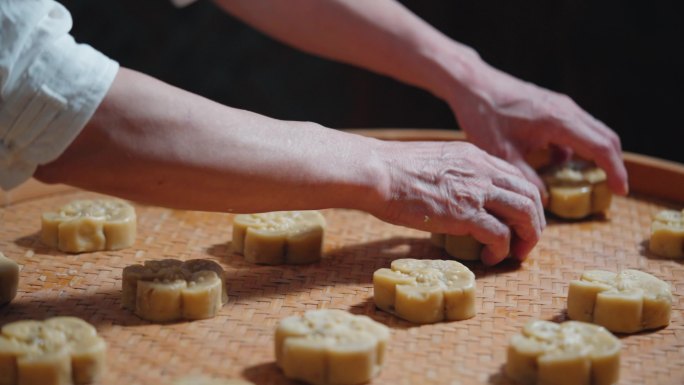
(620,60)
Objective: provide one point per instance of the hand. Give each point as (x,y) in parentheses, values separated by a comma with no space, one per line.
(456,188)
(510,118)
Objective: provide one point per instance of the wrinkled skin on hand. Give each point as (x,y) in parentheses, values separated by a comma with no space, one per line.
(510,118)
(456,188)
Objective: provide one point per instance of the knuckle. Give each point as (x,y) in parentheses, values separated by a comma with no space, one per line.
(564,98)
(467,200)
(613,136)
(566,101)
(488,229)
(506,168)
(516,171)
(529,209)
(615,139)
(601,146)
(501,235)
(531,191)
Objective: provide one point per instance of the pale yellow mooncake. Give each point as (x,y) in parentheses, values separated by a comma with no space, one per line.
(425,290)
(330,347)
(281,237)
(624,302)
(577,189)
(461,247)
(570,353)
(90,225)
(170,290)
(57,351)
(667,234)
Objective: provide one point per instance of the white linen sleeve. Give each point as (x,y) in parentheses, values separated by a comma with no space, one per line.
(50,86)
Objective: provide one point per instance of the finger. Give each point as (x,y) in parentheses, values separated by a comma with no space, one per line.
(603,129)
(505,166)
(494,235)
(600,149)
(621,173)
(518,212)
(542,194)
(539,194)
(520,248)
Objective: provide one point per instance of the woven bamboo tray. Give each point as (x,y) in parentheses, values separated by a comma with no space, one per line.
(238,343)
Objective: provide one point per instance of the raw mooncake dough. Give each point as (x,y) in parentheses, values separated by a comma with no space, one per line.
(626,302)
(9,279)
(292,237)
(571,353)
(577,189)
(57,351)
(326,347)
(462,247)
(170,290)
(425,291)
(667,234)
(90,225)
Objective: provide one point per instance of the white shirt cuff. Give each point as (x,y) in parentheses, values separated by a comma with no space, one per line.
(56,85)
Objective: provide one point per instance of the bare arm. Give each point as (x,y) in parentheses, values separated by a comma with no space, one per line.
(379,35)
(154,143)
(503,115)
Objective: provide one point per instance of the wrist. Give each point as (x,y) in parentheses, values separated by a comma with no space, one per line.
(452,69)
(368,182)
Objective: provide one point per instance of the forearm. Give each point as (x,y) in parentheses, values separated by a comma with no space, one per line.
(151,142)
(154,143)
(379,35)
